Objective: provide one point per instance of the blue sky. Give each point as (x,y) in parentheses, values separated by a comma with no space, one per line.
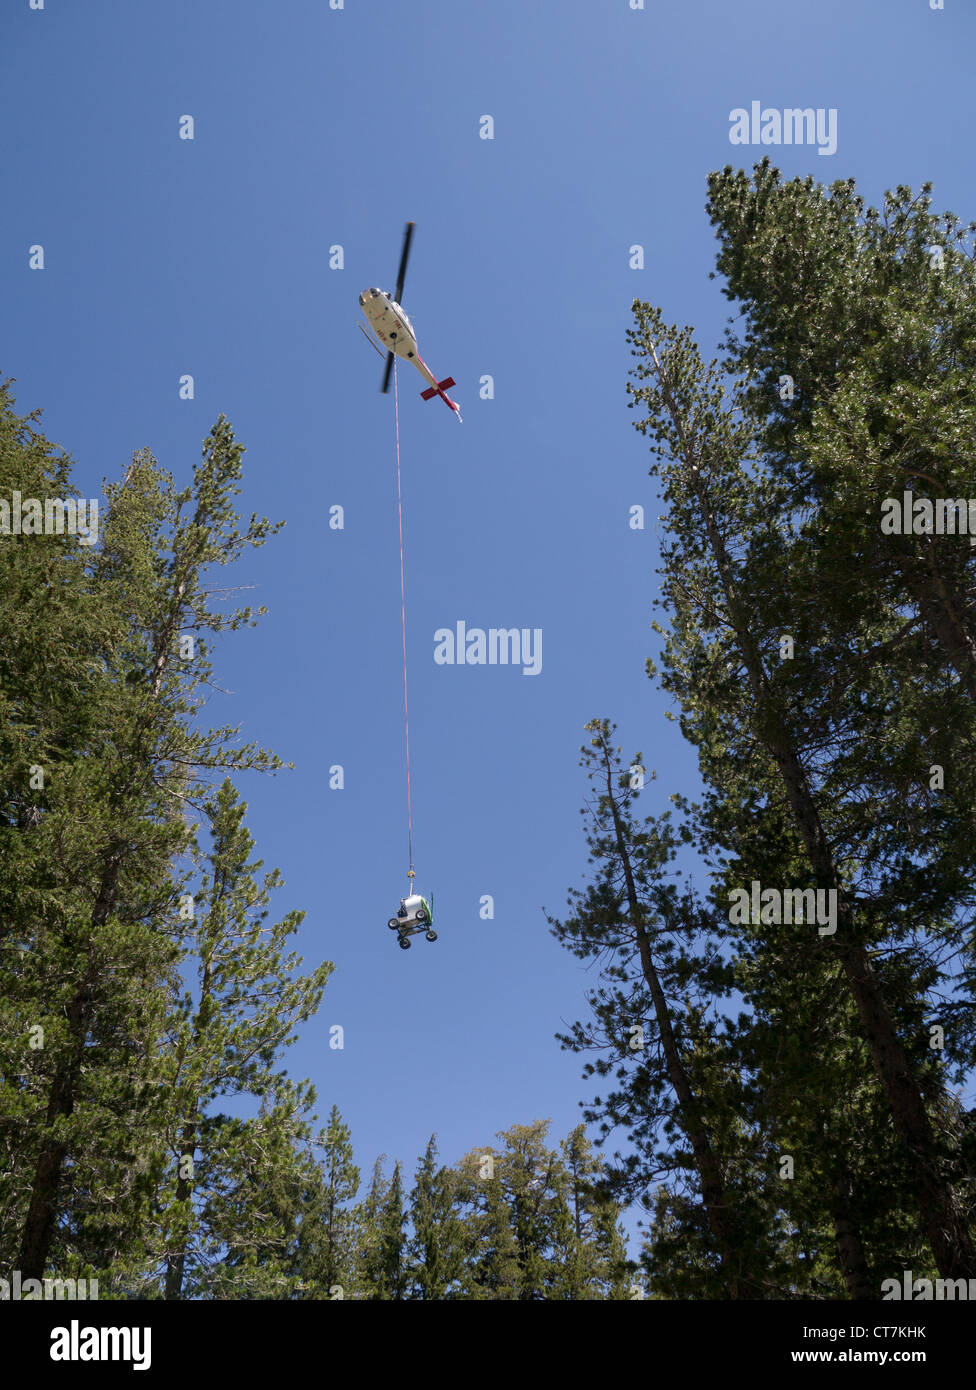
(316,128)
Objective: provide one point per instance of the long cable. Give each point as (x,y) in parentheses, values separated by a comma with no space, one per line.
(403,617)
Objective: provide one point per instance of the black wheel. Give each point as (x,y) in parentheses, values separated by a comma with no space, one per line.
(421,918)
(405,943)
(431,936)
(393,924)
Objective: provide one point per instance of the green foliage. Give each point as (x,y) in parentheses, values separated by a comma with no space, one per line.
(815,754)
(225,1038)
(107,1070)
(437,1246)
(149,1133)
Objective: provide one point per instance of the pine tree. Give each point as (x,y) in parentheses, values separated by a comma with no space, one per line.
(392,1241)
(656,959)
(878,333)
(528,1180)
(782,742)
(593,1256)
(102,835)
(254,1184)
(369,1239)
(436,1250)
(341,1186)
(614,1268)
(538,1227)
(381,1239)
(116,763)
(492,1260)
(878,336)
(230,1032)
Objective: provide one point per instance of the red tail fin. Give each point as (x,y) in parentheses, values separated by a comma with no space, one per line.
(441,390)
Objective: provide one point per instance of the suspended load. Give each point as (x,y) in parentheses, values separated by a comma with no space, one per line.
(415,915)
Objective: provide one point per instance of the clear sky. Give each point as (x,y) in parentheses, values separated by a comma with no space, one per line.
(317,128)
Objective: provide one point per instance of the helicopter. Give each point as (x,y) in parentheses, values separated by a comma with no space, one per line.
(395,331)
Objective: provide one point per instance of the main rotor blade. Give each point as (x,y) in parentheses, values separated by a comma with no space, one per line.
(386,375)
(401,273)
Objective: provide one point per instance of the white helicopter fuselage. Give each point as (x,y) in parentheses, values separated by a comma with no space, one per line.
(389,323)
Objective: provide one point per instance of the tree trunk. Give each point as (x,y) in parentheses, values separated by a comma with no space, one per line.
(176,1262)
(850,1251)
(942,612)
(714,1196)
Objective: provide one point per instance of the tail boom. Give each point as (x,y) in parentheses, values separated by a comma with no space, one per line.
(437,388)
